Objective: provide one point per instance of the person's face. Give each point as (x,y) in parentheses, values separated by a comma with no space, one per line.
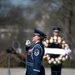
(35,38)
(55,33)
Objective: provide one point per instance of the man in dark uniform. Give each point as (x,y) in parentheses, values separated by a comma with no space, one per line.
(35,54)
(29,58)
(55,69)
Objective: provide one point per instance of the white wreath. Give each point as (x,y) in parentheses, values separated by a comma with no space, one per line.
(62,57)
(55,61)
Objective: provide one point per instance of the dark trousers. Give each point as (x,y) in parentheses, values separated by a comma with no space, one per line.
(42,71)
(29,70)
(56,69)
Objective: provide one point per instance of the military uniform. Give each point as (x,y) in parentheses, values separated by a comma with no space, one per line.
(29,70)
(55,69)
(34,59)
(38,52)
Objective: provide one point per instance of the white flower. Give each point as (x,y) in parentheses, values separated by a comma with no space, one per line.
(44,57)
(56,59)
(63,45)
(47,41)
(49,61)
(55,37)
(63,42)
(66,46)
(46,44)
(63,59)
(54,62)
(55,40)
(52,59)
(59,40)
(51,40)
(48,58)
(59,58)
(66,56)
(58,62)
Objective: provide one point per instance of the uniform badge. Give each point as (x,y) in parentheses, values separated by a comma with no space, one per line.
(36,52)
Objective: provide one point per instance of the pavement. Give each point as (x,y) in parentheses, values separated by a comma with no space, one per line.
(21,71)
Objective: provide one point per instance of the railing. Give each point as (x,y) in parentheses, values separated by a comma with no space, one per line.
(8,58)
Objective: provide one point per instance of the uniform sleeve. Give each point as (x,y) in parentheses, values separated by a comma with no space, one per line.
(37,60)
(27,48)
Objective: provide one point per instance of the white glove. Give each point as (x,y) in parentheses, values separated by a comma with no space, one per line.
(28,43)
(68,51)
